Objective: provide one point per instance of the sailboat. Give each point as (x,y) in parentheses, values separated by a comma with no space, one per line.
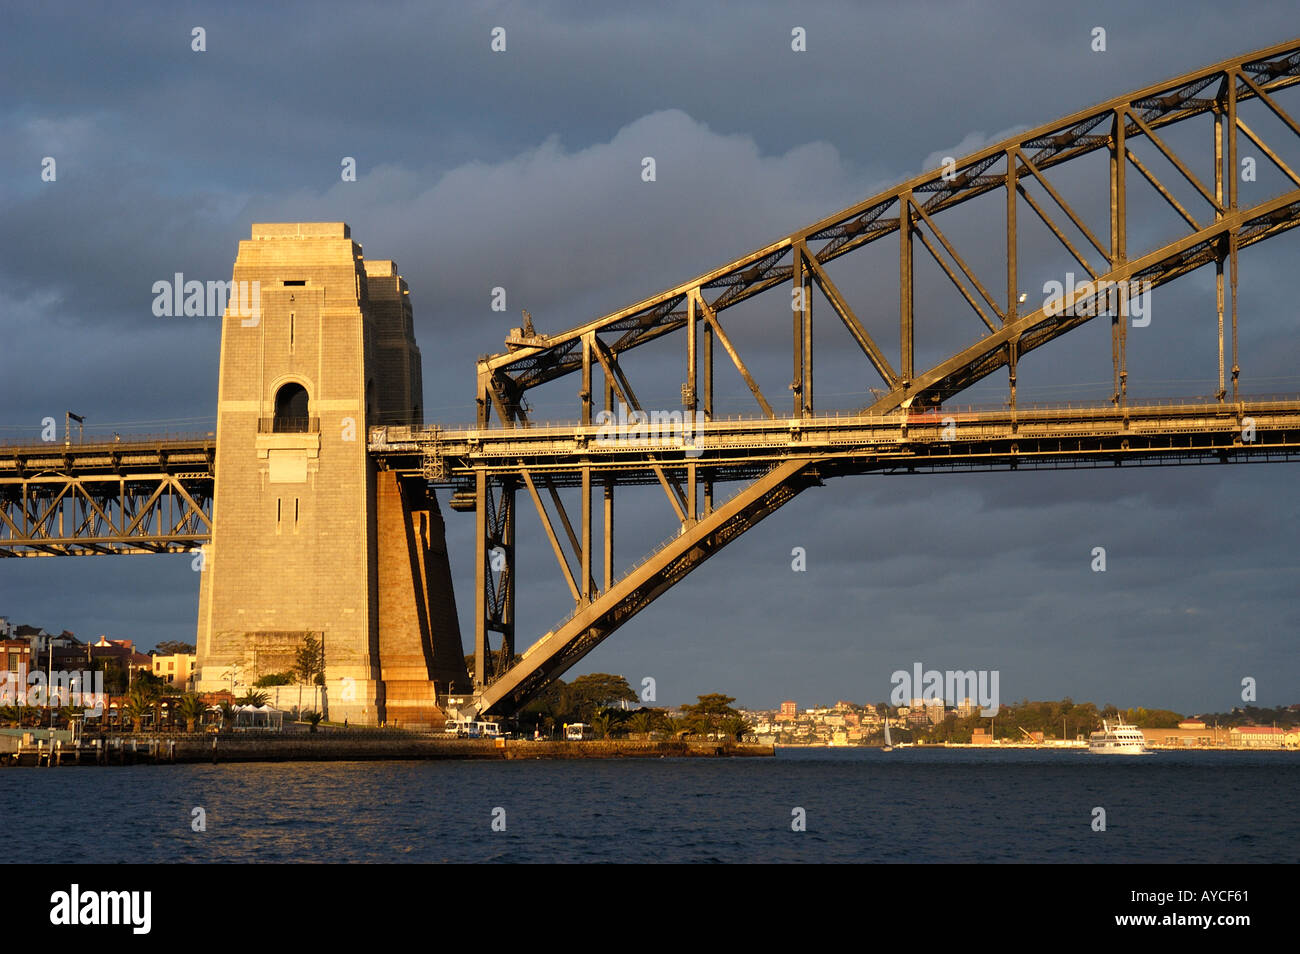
(889,745)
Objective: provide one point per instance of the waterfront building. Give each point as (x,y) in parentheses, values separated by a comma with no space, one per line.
(177,668)
(15,653)
(1192,734)
(121,651)
(1257,735)
(934,709)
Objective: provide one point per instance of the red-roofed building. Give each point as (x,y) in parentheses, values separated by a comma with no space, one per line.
(1261,735)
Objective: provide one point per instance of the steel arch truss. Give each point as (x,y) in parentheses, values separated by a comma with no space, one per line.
(912,211)
(1216,226)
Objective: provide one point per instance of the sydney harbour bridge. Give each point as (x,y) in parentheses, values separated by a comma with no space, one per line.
(720,475)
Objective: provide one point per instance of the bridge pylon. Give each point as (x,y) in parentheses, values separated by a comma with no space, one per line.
(311,543)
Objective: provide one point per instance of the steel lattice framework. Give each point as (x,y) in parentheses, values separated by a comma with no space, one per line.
(141,496)
(895,430)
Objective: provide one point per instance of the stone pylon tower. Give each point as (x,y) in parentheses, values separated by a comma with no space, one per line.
(309,540)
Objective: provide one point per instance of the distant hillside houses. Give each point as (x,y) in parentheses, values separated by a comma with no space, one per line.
(34,648)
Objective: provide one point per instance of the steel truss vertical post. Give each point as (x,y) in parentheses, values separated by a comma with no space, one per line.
(801,286)
(608,524)
(1119,253)
(708,405)
(585,394)
(688,397)
(798,289)
(481,578)
(905,288)
(506,541)
(1218,215)
(587,583)
(1012,283)
(1232,207)
(494,610)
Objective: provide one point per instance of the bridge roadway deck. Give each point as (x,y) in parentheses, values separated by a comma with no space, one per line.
(855,443)
(154,494)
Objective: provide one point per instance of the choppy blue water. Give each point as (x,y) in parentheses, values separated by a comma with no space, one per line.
(861,806)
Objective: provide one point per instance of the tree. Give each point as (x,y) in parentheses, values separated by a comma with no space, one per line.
(139,702)
(155,686)
(191,709)
(115,677)
(596,690)
(170,647)
(274,679)
(253,698)
(734,727)
(310,660)
(666,723)
(641,722)
(706,715)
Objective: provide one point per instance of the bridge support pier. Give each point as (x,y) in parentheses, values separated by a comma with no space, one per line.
(320,565)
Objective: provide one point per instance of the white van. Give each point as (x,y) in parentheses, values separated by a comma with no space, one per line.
(461,729)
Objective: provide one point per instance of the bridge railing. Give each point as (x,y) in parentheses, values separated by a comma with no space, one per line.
(113,441)
(288,425)
(1079,409)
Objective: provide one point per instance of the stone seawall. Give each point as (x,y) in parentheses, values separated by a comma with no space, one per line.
(345,747)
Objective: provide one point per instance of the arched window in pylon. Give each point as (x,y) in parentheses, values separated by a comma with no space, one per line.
(291,409)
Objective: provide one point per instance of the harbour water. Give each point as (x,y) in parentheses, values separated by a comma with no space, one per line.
(861,805)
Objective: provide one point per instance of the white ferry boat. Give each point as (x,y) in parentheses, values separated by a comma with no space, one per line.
(1118,738)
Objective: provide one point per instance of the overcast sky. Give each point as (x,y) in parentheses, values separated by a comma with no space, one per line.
(522,169)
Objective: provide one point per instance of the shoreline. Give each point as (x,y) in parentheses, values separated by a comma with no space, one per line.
(337,747)
(1047,746)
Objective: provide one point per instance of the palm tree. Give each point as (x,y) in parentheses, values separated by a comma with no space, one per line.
(667,723)
(641,723)
(138,704)
(314,719)
(601,724)
(191,709)
(734,727)
(254,698)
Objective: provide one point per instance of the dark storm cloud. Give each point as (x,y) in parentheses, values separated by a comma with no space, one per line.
(522,170)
